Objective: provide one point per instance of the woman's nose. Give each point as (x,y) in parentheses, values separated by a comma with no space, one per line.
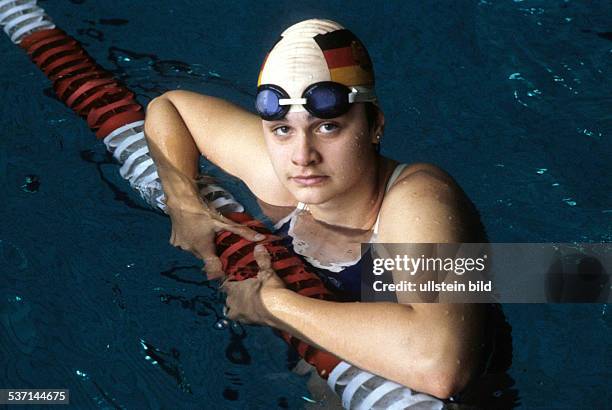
(304,151)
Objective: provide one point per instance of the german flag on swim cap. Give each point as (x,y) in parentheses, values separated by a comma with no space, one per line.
(347,59)
(317,50)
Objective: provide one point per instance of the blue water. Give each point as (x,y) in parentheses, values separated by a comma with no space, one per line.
(511,97)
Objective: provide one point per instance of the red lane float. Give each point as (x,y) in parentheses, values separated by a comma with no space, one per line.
(238,260)
(91,91)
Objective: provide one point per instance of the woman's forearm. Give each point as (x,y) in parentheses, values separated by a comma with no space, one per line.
(426,351)
(175,153)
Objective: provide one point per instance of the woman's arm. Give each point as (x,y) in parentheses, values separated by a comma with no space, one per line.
(434,350)
(180,125)
(176,155)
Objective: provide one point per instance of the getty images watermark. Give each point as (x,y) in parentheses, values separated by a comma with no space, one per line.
(486,273)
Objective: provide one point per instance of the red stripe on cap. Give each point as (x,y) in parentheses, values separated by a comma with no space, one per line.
(339,57)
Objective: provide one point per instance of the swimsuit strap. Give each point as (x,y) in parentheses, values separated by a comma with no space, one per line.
(396,173)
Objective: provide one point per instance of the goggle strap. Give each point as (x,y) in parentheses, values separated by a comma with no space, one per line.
(292,101)
(361,96)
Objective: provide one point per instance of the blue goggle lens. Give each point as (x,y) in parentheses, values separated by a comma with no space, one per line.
(327,100)
(267,104)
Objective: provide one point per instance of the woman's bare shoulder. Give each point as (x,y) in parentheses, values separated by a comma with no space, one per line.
(426,204)
(425,171)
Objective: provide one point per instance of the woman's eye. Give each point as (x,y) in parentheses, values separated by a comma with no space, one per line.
(281,131)
(328,128)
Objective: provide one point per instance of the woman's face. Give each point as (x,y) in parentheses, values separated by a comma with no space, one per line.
(319,159)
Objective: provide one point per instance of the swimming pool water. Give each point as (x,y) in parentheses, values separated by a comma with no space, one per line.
(510,97)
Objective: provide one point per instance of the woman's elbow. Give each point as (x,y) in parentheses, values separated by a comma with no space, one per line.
(449,384)
(159,103)
(452,377)
(156,113)
(443,377)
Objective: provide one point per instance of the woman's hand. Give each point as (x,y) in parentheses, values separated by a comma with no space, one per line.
(194,231)
(246,300)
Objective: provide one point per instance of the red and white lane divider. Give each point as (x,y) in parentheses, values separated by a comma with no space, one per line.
(113,113)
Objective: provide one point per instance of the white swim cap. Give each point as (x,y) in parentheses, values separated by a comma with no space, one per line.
(317,50)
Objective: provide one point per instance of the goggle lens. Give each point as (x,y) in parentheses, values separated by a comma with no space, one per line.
(268,106)
(328,100)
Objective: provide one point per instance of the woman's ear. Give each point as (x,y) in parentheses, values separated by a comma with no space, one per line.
(378,126)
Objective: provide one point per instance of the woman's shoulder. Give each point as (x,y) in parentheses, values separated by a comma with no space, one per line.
(419,180)
(422,173)
(425,204)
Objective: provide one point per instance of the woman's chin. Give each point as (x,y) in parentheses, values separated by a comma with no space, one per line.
(312,196)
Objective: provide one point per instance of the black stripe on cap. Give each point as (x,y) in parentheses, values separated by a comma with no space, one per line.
(335,39)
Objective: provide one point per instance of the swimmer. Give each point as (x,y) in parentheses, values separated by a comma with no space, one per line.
(310,155)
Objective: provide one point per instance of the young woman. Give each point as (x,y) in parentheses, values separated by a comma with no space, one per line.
(310,156)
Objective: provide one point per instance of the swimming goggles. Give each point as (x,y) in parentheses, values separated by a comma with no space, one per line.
(326,99)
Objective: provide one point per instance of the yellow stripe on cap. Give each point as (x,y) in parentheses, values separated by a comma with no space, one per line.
(352,76)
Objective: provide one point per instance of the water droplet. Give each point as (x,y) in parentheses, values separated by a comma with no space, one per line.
(221,324)
(541,170)
(569,201)
(82,374)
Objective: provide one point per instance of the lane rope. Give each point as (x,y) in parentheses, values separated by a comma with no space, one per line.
(112,112)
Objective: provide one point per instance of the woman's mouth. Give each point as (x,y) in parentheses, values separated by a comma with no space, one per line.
(309,180)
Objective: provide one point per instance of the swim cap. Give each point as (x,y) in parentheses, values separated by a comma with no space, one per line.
(317,50)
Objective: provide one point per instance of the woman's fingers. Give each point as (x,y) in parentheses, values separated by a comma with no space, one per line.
(213,266)
(262,257)
(244,231)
